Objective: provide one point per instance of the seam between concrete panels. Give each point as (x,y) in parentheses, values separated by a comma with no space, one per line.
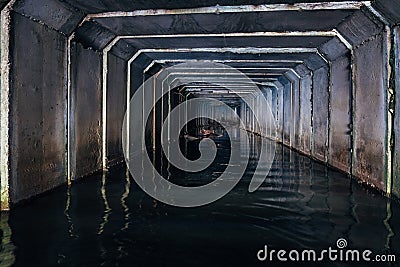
(69,117)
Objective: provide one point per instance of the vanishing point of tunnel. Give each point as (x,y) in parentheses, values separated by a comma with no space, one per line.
(108,109)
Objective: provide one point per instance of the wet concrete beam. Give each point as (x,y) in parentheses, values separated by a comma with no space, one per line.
(116,107)
(38,109)
(86,111)
(55,14)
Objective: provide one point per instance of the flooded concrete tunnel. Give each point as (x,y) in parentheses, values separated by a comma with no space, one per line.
(329,71)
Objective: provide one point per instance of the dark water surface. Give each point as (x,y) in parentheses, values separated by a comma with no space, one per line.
(107,220)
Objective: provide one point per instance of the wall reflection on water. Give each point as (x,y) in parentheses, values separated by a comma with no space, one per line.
(106,220)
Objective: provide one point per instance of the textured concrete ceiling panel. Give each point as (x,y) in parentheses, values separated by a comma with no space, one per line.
(318,20)
(93,35)
(315,62)
(333,49)
(219,42)
(249,67)
(302,70)
(231,56)
(359,27)
(283,80)
(123,50)
(390,9)
(53,13)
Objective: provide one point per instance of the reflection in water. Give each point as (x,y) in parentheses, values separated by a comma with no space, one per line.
(7,249)
(387,225)
(67,215)
(123,201)
(107,209)
(301,204)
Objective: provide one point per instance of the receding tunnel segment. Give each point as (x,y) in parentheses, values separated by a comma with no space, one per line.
(329,72)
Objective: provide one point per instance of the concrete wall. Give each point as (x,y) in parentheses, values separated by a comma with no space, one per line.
(86,110)
(116,107)
(38,108)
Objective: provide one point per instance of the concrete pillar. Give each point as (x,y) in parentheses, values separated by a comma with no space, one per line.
(5,32)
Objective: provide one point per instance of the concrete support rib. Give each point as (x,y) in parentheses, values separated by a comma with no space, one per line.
(104,103)
(395,83)
(70,134)
(5,106)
